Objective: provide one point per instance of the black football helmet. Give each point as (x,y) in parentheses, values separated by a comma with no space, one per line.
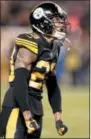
(42,15)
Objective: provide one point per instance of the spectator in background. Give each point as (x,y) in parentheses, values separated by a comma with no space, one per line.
(5,8)
(78,59)
(60,68)
(19,15)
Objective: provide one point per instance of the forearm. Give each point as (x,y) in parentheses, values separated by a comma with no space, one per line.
(20,88)
(54,94)
(55,100)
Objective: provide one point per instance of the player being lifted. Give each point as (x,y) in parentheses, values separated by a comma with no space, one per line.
(32,64)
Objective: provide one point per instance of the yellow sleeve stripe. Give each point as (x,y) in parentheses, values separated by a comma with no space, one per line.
(28,42)
(30,47)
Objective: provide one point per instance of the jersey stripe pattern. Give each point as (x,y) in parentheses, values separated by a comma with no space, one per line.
(32,46)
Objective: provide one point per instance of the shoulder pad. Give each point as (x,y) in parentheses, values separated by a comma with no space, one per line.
(26,40)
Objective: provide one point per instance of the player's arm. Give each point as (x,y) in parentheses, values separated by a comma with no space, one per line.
(55,100)
(54,96)
(22,70)
(26,55)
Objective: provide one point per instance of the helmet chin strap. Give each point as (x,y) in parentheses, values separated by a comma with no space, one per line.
(57,35)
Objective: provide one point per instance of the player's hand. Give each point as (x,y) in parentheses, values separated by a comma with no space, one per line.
(61,128)
(32,126)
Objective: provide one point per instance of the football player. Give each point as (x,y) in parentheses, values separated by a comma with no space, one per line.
(32,65)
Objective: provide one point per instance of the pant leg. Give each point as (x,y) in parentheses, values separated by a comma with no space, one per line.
(12,123)
(37,133)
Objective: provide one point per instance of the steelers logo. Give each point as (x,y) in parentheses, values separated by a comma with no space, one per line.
(38,13)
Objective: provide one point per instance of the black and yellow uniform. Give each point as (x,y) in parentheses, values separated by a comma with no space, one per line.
(41,71)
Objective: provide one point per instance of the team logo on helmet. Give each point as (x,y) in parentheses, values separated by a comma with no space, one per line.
(38,13)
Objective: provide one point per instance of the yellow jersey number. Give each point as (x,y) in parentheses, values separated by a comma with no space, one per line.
(48,66)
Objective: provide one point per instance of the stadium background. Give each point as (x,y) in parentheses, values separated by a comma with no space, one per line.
(72,69)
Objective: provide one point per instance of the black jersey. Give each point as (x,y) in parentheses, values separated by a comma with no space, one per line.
(47,55)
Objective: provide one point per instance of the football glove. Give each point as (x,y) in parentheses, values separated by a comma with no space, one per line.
(61,128)
(32,126)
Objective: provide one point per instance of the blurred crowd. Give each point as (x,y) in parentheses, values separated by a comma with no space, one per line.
(73,66)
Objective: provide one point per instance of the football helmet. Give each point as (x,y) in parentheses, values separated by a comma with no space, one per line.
(45,17)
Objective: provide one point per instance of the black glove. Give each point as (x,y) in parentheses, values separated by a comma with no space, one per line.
(32,126)
(61,128)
